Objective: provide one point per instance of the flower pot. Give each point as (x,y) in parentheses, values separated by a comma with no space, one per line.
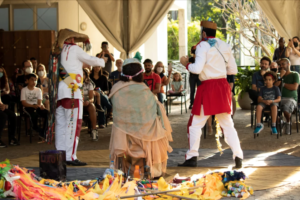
(244,101)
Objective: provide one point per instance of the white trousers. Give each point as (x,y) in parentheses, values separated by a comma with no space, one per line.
(196,123)
(68,126)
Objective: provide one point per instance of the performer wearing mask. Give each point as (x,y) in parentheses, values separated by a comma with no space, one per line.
(213,62)
(69,101)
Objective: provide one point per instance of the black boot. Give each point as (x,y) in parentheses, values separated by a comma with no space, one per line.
(238,163)
(189,163)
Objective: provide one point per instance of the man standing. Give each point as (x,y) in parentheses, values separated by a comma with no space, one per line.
(258,80)
(116,74)
(290,82)
(108,55)
(214,61)
(153,79)
(69,99)
(280,52)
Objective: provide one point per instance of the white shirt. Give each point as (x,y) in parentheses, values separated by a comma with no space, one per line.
(210,64)
(294,58)
(86,88)
(31,96)
(72,57)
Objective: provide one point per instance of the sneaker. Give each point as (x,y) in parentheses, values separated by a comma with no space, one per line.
(2,145)
(274,130)
(14,142)
(258,129)
(95,135)
(287,129)
(101,126)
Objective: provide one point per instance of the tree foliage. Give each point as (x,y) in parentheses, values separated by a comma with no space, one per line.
(193,37)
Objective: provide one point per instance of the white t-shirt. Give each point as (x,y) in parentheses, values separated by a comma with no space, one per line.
(31,96)
(86,88)
(294,58)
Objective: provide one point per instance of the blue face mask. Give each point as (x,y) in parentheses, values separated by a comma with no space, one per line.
(1,74)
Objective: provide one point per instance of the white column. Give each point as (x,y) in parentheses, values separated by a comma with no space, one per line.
(182,18)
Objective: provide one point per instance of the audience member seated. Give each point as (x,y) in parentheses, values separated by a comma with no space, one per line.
(27,69)
(43,82)
(7,115)
(149,74)
(165,80)
(115,75)
(4,87)
(258,80)
(289,81)
(280,51)
(89,67)
(31,98)
(34,63)
(274,67)
(101,87)
(293,53)
(177,86)
(110,56)
(269,97)
(109,84)
(141,129)
(88,103)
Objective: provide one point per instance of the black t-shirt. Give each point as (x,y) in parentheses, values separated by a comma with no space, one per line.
(101,82)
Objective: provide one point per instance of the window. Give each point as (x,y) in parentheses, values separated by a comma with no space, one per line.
(34,17)
(23,19)
(4,19)
(47,19)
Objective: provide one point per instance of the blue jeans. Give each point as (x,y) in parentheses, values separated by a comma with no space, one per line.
(105,103)
(161,97)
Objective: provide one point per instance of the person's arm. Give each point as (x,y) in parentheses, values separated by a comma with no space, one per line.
(7,90)
(253,87)
(231,65)
(292,86)
(288,52)
(260,100)
(90,60)
(200,59)
(157,88)
(180,88)
(173,89)
(111,57)
(91,96)
(296,51)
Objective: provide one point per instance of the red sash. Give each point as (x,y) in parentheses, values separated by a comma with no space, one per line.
(214,95)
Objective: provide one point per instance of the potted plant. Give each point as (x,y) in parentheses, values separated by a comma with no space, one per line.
(243,84)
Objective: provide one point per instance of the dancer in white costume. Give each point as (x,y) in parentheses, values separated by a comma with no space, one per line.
(69,100)
(213,62)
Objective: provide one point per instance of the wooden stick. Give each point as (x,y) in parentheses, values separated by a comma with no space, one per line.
(172,195)
(160,192)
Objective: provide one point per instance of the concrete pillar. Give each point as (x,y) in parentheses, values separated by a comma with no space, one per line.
(182,19)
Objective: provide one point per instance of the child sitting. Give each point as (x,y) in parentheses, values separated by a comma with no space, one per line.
(269,97)
(31,98)
(176,85)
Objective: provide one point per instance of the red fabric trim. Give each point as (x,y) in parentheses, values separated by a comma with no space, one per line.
(67,103)
(187,66)
(78,128)
(67,43)
(214,95)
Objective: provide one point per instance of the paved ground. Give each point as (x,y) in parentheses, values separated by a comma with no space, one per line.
(266,150)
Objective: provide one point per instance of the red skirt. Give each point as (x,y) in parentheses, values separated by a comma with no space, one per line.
(214,95)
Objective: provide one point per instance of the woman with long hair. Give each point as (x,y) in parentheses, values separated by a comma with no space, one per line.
(141,128)
(101,88)
(165,80)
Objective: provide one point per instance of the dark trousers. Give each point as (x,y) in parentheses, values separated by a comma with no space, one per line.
(8,115)
(160,97)
(194,81)
(253,96)
(105,103)
(34,114)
